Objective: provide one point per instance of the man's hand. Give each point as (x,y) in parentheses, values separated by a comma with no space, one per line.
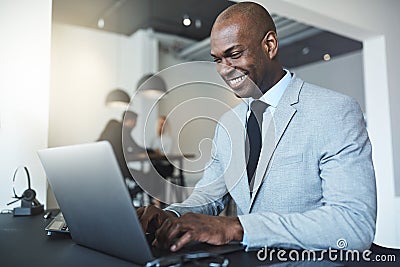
(152,217)
(174,233)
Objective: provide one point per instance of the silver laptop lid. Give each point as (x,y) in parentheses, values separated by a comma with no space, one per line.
(90,190)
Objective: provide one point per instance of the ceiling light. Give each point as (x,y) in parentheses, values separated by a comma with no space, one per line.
(327,57)
(100,23)
(186,21)
(118,98)
(197,23)
(151,86)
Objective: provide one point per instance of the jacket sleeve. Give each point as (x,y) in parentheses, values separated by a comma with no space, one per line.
(210,194)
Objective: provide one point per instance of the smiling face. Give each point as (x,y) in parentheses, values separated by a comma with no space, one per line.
(240,62)
(245,53)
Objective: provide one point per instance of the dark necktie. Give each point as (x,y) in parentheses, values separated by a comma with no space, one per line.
(254,130)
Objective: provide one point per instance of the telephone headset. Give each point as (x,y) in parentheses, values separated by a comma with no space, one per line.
(29,204)
(28,194)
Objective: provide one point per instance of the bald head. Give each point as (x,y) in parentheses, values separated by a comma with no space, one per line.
(251,16)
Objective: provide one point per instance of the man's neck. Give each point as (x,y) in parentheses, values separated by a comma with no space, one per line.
(278,76)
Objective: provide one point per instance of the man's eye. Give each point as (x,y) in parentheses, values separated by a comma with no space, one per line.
(236,55)
(217,60)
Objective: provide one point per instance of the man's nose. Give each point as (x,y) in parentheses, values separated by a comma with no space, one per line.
(225,69)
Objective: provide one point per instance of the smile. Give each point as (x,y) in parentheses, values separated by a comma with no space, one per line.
(236,81)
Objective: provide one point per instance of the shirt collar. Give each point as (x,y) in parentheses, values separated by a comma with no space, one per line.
(274,94)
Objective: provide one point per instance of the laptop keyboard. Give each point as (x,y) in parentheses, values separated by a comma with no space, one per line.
(57,225)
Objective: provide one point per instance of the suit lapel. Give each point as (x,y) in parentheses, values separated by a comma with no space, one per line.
(282,116)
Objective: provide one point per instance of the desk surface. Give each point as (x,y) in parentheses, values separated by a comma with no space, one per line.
(23,242)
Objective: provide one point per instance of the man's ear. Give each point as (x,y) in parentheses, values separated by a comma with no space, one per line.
(270,44)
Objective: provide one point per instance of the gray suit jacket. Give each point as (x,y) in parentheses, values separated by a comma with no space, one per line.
(315,182)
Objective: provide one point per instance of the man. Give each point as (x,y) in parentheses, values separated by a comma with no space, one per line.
(313,186)
(119,135)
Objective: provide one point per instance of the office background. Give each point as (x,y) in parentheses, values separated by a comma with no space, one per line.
(43,84)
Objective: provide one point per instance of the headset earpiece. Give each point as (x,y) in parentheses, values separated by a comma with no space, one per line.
(29,204)
(29,195)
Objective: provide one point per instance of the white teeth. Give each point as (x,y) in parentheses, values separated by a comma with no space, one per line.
(237,80)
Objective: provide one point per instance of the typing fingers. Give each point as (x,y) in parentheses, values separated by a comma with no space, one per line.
(173,234)
(165,234)
(139,212)
(183,240)
(146,216)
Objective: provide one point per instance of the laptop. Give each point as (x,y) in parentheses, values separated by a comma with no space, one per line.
(57,225)
(96,205)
